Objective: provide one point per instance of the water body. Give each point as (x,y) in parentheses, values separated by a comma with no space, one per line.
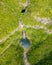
(25,6)
(25,43)
(23,11)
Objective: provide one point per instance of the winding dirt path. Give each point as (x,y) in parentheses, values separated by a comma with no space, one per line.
(21,27)
(4,39)
(26,26)
(6,48)
(40,27)
(25,57)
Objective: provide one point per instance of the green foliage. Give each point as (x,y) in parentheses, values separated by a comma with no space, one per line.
(14,53)
(37,52)
(43,7)
(41,43)
(46,60)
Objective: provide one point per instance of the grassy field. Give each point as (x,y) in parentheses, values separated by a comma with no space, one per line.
(13,53)
(40,52)
(12,56)
(10,13)
(41,47)
(41,8)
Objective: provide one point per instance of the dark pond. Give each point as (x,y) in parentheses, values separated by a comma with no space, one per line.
(25,42)
(23,11)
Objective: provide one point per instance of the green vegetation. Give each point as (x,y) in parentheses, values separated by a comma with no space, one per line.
(49,26)
(14,55)
(12,39)
(11,52)
(38,51)
(42,8)
(9,16)
(46,60)
(36,35)
(10,13)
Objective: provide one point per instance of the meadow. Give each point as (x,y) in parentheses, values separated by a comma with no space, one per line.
(37,13)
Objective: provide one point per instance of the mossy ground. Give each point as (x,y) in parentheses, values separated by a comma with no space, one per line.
(41,43)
